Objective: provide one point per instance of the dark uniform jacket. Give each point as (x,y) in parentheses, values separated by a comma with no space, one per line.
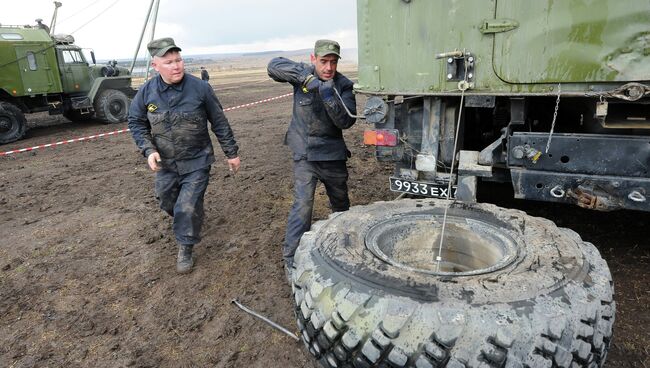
(315,129)
(172,120)
(204,75)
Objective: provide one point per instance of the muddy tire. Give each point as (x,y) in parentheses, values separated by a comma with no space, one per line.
(112,106)
(12,123)
(512,291)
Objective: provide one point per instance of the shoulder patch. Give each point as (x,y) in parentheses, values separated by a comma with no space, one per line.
(152,107)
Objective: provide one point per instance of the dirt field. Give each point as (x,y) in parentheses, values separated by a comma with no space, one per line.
(87,260)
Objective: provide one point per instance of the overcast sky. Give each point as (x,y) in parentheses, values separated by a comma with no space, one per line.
(112,27)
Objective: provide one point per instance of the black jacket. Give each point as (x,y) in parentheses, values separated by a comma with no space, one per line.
(172,120)
(315,130)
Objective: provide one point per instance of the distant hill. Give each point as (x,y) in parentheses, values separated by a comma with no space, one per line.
(241,61)
(247,60)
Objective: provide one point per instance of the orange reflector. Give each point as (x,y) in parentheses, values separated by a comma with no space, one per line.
(381,137)
(370,137)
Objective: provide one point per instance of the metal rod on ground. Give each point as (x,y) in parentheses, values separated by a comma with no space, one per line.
(273,324)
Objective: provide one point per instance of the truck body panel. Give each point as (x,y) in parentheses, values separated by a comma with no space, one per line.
(28,63)
(573,41)
(518,47)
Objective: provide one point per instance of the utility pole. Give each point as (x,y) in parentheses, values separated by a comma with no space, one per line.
(151,18)
(154,18)
(57,5)
(144,27)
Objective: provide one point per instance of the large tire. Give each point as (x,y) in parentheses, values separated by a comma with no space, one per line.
(513,290)
(112,106)
(12,123)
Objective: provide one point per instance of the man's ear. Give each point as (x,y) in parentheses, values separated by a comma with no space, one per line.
(312,58)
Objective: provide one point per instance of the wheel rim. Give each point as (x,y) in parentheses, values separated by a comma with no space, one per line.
(116,107)
(6,125)
(471,246)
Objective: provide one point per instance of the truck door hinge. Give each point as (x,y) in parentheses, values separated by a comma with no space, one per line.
(498,25)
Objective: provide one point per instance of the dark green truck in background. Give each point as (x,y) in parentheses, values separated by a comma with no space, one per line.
(43,72)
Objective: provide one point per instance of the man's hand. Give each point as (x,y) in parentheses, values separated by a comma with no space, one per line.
(326,89)
(233,164)
(154,161)
(312,83)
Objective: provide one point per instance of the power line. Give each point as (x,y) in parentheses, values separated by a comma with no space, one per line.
(97,16)
(79,11)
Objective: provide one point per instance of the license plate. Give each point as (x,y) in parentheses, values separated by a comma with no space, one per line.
(421,188)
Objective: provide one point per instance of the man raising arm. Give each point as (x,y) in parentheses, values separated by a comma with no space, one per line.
(315,135)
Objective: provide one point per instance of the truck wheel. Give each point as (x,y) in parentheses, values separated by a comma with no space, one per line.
(77,116)
(511,290)
(12,123)
(112,106)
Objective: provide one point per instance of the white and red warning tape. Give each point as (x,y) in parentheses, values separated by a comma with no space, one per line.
(258,102)
(20,150)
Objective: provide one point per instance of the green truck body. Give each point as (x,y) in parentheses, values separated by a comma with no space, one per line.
(29,67)
(554,96)
(41,72)
(519,46)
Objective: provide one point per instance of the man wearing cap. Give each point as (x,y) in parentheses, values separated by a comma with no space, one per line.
(168,120)
(315,135)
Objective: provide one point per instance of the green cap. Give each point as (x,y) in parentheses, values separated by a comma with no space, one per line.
(161,46)
(327,47)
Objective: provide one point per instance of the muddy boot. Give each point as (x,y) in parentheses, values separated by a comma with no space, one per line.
(184,262)
(288,269)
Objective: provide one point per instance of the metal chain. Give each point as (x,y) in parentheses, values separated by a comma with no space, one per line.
(557,105)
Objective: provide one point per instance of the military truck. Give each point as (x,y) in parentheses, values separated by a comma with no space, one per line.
(43,72)
(549,96)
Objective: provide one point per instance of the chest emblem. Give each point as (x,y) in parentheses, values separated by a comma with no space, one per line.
(152,107)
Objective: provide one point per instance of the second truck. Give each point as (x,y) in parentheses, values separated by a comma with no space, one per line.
(43,72)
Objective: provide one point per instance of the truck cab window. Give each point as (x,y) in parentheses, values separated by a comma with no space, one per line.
(72,57)
(31,61)
(11,36)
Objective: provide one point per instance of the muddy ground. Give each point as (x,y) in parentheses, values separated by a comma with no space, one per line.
(87,260)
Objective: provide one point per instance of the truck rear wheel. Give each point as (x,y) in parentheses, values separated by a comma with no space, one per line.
(112,106)
(511,290)
(12,123)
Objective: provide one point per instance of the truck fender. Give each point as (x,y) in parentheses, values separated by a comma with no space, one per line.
(104,83)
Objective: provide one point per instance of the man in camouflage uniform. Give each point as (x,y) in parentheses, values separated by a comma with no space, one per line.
(315,135)
(168,119)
